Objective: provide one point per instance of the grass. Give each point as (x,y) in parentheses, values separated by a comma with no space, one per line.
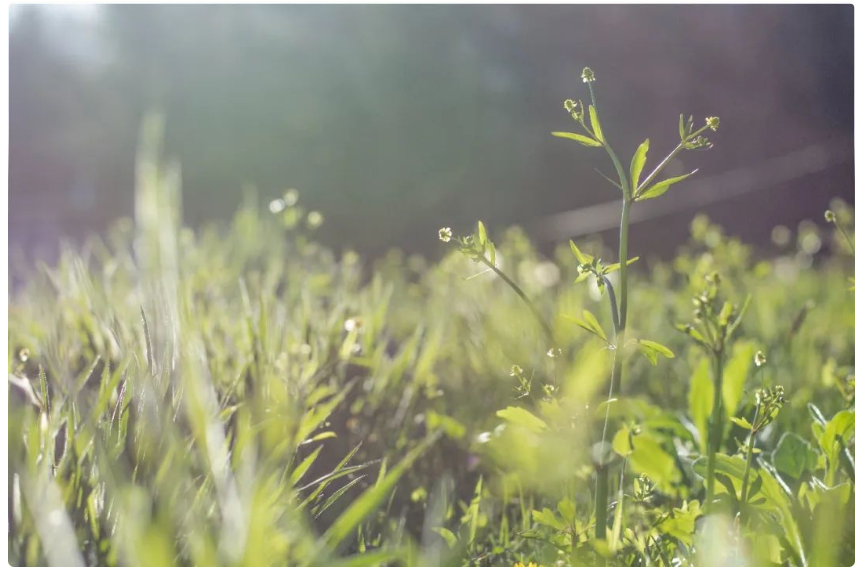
(243,396)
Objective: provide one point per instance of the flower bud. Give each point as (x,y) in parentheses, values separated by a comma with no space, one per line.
(588,75)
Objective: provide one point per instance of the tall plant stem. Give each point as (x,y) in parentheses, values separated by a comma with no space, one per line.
(602,480)
(744,490)
(715,435)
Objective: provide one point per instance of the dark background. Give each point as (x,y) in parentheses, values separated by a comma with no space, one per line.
(396,120)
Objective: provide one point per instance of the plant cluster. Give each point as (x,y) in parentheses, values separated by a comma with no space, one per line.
(248,397)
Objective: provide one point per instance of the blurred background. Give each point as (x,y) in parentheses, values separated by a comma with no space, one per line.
(396,120)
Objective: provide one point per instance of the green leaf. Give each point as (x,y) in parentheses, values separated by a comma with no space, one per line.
(838,431)
(546,517)
(681,129)
(482,234)
(638,162)
(522,417)
(793,455)
(681,523)
(584,140)
(491,250)
(651,350)
(595,123)
(304,465)
(742,423)
(659,188)
(581,257)
(595,326)
(649,457)
(612,267)
(370,500)
(586,326)
(773,495)
(448,536)
(701,399)
(622,443)
(473,511)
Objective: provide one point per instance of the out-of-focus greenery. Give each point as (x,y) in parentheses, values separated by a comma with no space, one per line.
(242,396)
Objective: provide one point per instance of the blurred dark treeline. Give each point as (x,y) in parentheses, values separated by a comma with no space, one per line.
(395,120)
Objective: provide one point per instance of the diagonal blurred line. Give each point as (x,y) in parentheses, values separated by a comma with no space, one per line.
(693,194)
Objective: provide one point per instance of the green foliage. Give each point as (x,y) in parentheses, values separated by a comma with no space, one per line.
(240,395)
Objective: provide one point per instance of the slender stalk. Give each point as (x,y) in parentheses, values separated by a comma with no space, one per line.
(619,322)
(845,235)
(715,430)
(744,490)
(602,478)
(540,318)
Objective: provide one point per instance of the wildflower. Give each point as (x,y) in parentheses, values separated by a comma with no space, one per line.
(829,216)
(554,352)
(588,75)
(24,354)
(445,234)
(277,206)
(484,437)
(760,359)
(713,122)
(354,324)
(516,371)
(575,108)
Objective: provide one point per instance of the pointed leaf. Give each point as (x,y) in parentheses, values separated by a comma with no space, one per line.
(522,417)
(595,124)
(638,162)
(612,267)
(741,422)
(370,500)
(584,140)
(482,234)
(580,256)
(659,188)
(595,326)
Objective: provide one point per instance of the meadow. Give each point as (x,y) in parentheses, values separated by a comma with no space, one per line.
(241,395)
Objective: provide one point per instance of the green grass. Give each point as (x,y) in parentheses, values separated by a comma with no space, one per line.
(243,396)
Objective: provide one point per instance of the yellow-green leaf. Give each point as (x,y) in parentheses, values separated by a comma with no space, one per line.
(595,124)
(638,162)
(584,140)
(659,188)
(522,417)
(580,256)
(594,325)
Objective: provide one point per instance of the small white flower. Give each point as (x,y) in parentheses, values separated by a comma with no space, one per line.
(713,122)
(554,352)
(445,234)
